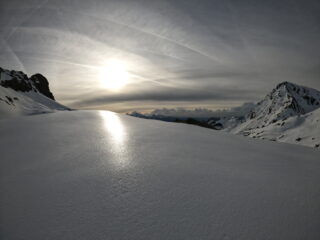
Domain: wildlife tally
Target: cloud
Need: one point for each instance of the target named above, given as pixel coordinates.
(167, 94)
(177, 52)
(203, 112)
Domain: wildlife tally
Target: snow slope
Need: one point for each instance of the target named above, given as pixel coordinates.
(20, 95)
(101, 175)
(286, 100)
(299, 129)
(289, 113)
(14, 103)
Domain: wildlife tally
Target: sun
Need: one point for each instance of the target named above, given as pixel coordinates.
(114, 75)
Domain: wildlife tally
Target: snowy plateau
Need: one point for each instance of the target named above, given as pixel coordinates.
(101, 175)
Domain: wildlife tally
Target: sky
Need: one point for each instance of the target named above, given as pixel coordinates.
(212, 54)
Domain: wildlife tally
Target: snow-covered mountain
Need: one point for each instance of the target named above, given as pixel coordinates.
(21, 95)
(285, 101)
(290, 113)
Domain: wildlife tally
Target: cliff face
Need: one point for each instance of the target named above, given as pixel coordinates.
(42, 85)
(19, 81)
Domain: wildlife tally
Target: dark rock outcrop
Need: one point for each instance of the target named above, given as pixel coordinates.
(42, 85)
(17, 85)
(19, 81)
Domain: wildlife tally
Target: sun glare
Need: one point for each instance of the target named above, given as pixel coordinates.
(114, 75)
(114, 126)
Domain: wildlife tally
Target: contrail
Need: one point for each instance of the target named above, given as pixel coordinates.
(65, 62)
(155, 35)
(243, 39)
(13, 54)
(133, 52)
(14, 29)
(156, 81)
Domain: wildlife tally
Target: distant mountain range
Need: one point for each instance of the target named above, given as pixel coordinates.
(21, 95)
(289, 113)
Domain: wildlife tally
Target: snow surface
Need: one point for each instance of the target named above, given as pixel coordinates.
(25, 103)
(101, 175)
(301, 129)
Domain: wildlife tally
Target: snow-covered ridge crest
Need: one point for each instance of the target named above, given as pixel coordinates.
(289, 113)
(285, 101)
(289, 99)
(21, 95)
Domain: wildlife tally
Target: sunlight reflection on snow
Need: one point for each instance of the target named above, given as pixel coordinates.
(114, 126)
(117, 134)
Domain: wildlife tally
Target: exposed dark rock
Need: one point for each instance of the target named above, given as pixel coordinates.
(42, 85)
(252, 115)
(274, 120)
(198, 123)
(20, 82)
(217, 126)
(296, 107)
(282, 84)
(9, 99)
(17, 84)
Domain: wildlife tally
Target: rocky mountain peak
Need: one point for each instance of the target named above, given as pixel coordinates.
(286, 100)
(19, 81)
(42, 85)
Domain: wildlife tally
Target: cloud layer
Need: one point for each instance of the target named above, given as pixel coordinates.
(240, 111)
(215, 53)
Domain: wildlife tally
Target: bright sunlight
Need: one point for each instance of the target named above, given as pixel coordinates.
(114, 75)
